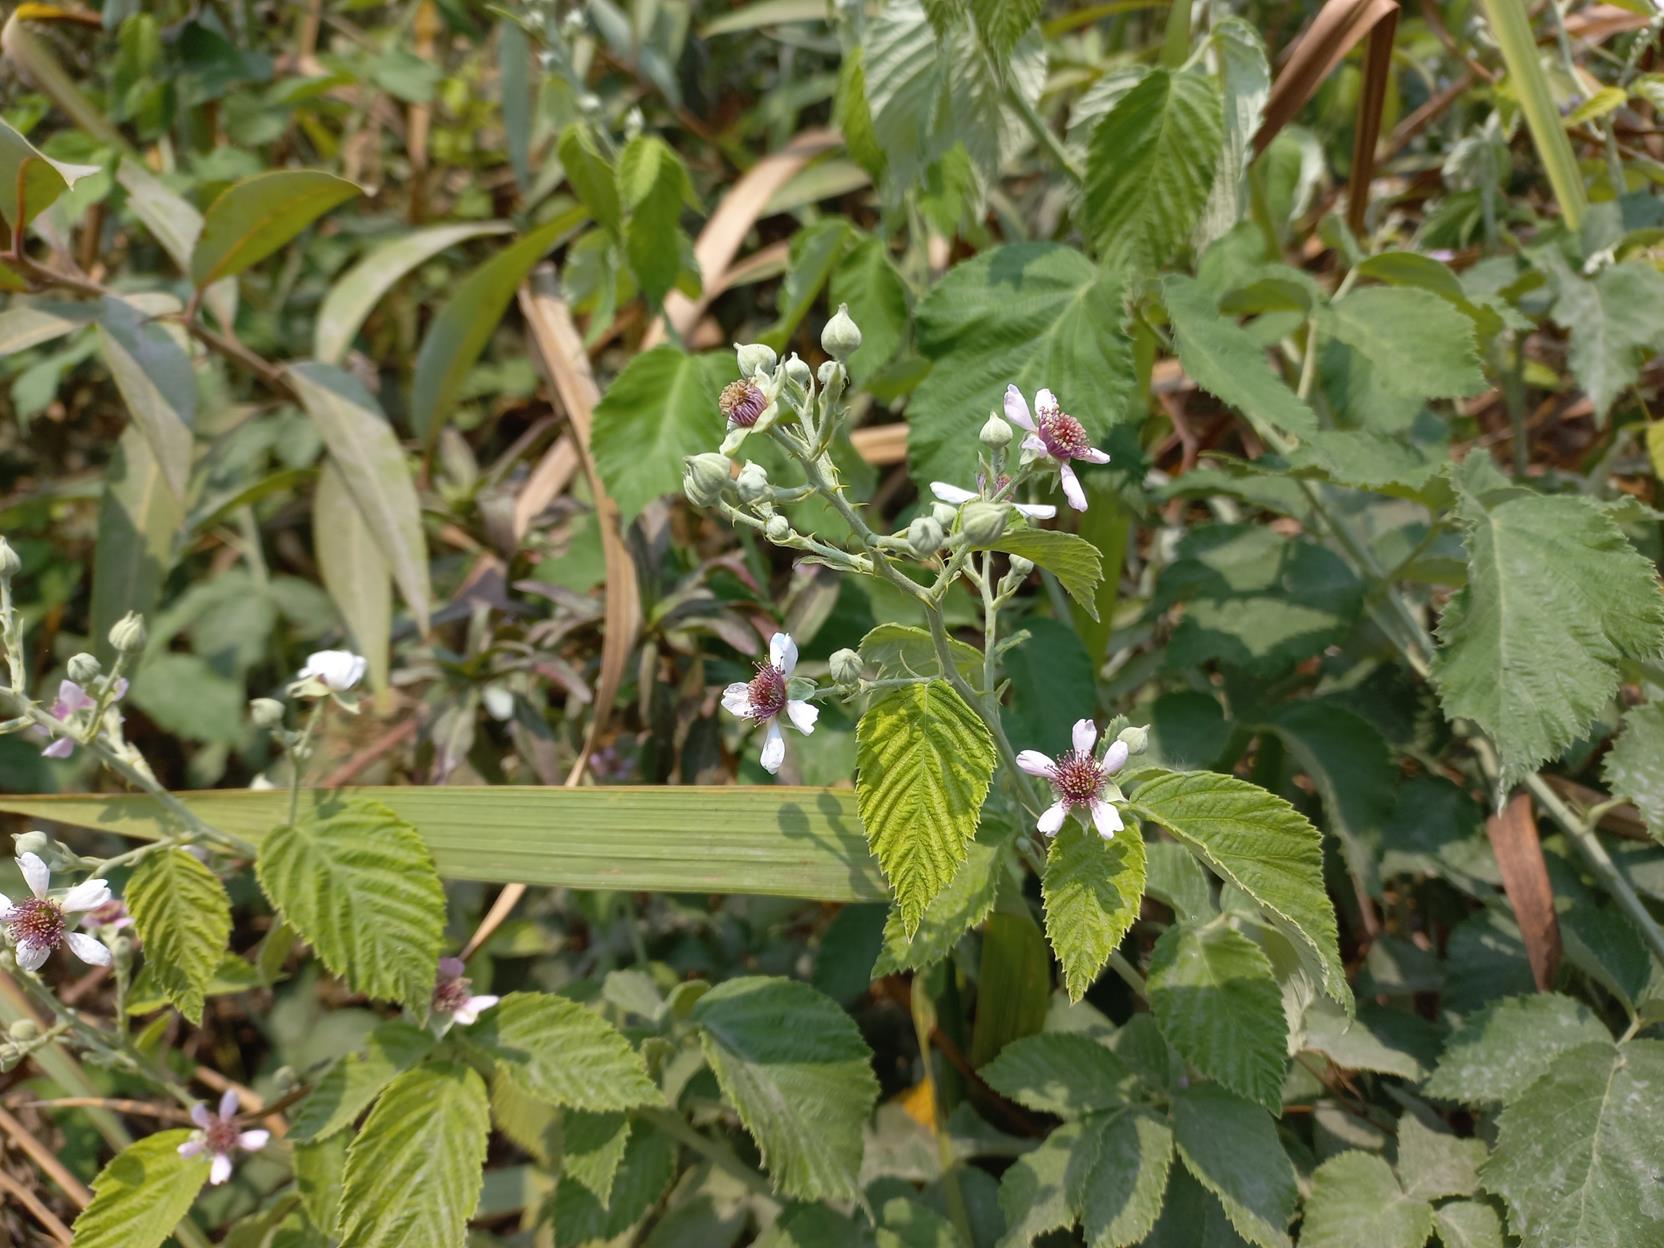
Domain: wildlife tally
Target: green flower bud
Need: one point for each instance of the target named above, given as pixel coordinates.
(23, 1030)
(266, 713)
(983, 522)
(925, 536)
(753, 484)
(128, 634)
(10, 564)
(797, 371)
(1021, 568)
(995, 433)
(33, 841)
(944, 514)
(704, 478)
(846, 667)
(778, 529)
(832, 377)
(1137, 739)
(84, 669)
(285, 1080)
(754, 358)
(841, 336)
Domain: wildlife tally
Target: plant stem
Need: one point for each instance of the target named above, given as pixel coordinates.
(1175, 43)
(1043, 133)
(718, 1154)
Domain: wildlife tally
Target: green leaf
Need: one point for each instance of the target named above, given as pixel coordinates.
(1632, 767)
(318, 1168)
(346, 1089)
(1028, 314)
(1530, 647)
(1381, 1039)
(1212, 991)
(814, 254)
(1468, 1224)
(1613, 321)
(176, 225)
(1034, 1193)
(963, 904)
(1420, 346)
(230, 975)
(157, 384)
(358, 883)
(661, 409)
(139, 518)
(366, 452)
(1434, 1164)
(1092, 889)
(904, 650)
(1059, 1073)
(1356, 1200)
(413, 1173)
(592, 1147)
(32, 180)
(654, 184)
(1260, 843)
(1192, 1218)
(1150, 167)
(867, 280)
(924, 763)
(1232, 1149)
(468, 320)
(1117, 1178)
(1229, 363)
(1076, 562)
(581, 1218)
(1497, 1054)
(253, 218)
(354, 570)
(590, 176)
(142, 1194)
(907, 1223)
(184, 919)
(1003, 22)
(354, 294)
(1245, 85)
(1016, 971)
(1576, 1157)
(564, 1053)
(795, 1068)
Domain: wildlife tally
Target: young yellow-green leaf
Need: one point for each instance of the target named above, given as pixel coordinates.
(564, 1053)
(1421, 347)
(1016, 971)
(253, 218)
(1058, 1072)
(1076, 562)
(157, 384)
(962, 905)
(796, 1070)
(1213, 992)
(582, 1218)
(414, 1171)
(1150, 167)
(924, 762)
(1633, 769)
(184, 921)
(40, 178)
(140, 1196)
(592, 1147)
(1497, 1054)
(347, 1088)
(1116, 1188)
(1092, 889)
(1577, 1155)
(1002, 22)
(359, 883)
(1356, 1200)
(1257, 841)
(1231, 1147)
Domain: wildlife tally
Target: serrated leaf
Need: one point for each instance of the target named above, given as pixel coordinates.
(318, 1168)
(1468, 1224)
(157, 384)
(580, 1218)
(1613, 320)
(184, 919)
(1420, 346)
(564, 1053)
(654, 184)
(1060, 1073)
(414, 1172)
(1116, 1189)
(1076, 562)
(1192, 1218)
(590, 176)
(924, 763)
(795, 1068)
(1231, 1147)
(1002, 22)
(592, 1148)
(814, 253)
(1257, 841)
(1434, 1164)
(1556, 597)
(1092, 889)
(139, 517)
(346, 1089)
(1497, 1054)
(661, 409)
(1356, 1200)
(1577, 1155)
(359, 884)
(251, 219)
(904, 650)
(1633, 769)
(1027, 314)
(1034, 1192)
(908, 1223)
(962, 905)
(141, 1195)
(1381, 1039)
(867, 280)
(1245, 85)
(1150, 166)
(1212, 991)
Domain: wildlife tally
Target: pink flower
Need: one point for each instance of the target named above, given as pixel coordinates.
(71, 701)
(452, 998)
(218, 1134)
(36, 924)
(956, 495)
(1056, 435)
(767, 696)
(112, 914)
(1080, 782)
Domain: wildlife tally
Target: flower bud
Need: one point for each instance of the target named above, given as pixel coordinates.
(846, 667)
(753, 483)
(995, 433)
(266, 713)
(704, 478)
(84, 669)
(23, 1030)
(778, 529)
(33, 842)
(983, 522)
(841, 337)
(832, 377)
(944, 514)
(1021, 568)
(128, 634)
(925, 536)
(1136, 739)
(10, 564)
(754, 358)
(285, 1080)
(797, 371)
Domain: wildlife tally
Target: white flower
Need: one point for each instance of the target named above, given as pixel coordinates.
(36, 924)
(1055, 435)
(767, 695)
(337, 670)
(1080, 782)
(451, 996)
(956, 495)
(218, 1134)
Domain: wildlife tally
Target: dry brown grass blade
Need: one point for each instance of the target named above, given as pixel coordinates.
(28, 1200)
(1367, 128)
(1337, 29)
(554, 472)
(719, 242)
(1519, 856)
(46, 1159)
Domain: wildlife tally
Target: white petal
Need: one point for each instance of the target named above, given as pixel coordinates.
(253, 1141)
(1093, 455)
(737, 698)
(1085, 736)
(1036, 763)
(220, 1171)
(1016, 409)
(782, 652)
(228, 1103)
(360, 665)
(1045, 400)
(35, 873)
(774, 748)
(89, 949)
(201, 1116)
(472, 1008)
(5, 907)
(1106, 818)
(190, 1148)
(1115, 757)
(803, 715)
(1033, 443)
(1051, 819)
(951, 493)
(63, 747)
(31, 957)
(340, 670)
(1071, 487)
(87, 895)
(1036, 511)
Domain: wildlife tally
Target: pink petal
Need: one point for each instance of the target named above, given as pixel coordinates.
(1036, 763)
(1071, 487)
(201, 1116)
(1016, 409)
(228, 1104)
(190, 1148)
(1085, 736)
(1051, 819)
(1106, 818)
(63, 747)
(220, 1171)
(1093, 455)
(1115, 757)
(451, 968)
(253, 1141)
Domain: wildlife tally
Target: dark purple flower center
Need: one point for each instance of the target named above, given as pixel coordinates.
(742, 403)
(1064, 436)
(112, 911)
(1077, 778)
(768, 692)
(450, 995)
(36, 922)
(220, 1135)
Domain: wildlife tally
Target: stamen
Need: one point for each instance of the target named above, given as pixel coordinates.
(37, 922)
(1064, 436)
(1077, 779)
(220, 1135)
(450, 995)
(742, 402)
(767, 691)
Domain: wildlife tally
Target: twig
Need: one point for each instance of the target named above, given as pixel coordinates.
(46, 1159)
(115, 1104)
(32, 1203)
